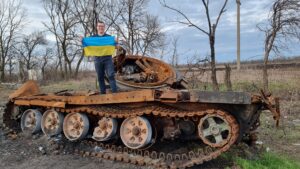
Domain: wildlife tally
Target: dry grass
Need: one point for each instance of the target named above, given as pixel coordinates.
(281, 80)
(88, 83)
(251, 75)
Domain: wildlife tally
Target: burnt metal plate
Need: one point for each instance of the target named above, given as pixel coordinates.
(221, 97)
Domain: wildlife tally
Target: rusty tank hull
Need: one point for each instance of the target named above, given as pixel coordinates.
(135, 72)
(164, 128)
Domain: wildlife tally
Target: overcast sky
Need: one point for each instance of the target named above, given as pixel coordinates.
(192, 41)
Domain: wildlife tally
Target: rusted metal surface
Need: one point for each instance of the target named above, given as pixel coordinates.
(123, 97)
(215, 129)
(39, 103)
(28, 88)
(105, 129)
(76, 126)
(272, 104)
(52, 122)
(174, 96)
(145, 95)
(221, 97)
(140, 72)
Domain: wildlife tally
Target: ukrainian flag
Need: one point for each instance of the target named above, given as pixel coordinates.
(98, 46)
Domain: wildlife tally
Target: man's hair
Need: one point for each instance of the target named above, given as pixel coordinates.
(100, 22)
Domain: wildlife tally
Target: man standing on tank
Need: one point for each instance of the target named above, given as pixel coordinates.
(104, 64)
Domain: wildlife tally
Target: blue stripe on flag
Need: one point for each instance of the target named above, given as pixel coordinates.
(99, 41)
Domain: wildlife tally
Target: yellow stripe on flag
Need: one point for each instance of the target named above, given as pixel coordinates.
(98, 50)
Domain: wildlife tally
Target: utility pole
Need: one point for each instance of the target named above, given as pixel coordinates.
(238, 31)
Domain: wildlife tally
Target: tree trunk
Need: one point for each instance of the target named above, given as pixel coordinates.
(265, 73)
(43, 73)
(227, 79)
(213, 64)
(10, 68)
(66, 70)
(70, 69)
(78, 65)
(60, 65)
(2, 71)
(21, 72)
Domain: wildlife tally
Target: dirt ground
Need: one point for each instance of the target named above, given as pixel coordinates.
(30, 152)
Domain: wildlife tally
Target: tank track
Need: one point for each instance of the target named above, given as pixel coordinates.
(157, 159)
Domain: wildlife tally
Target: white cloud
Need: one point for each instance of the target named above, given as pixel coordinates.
(35, 16)
(173, 27)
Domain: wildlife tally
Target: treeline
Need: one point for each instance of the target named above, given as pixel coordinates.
(275, 62)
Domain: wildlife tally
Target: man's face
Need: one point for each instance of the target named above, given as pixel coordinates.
(100, 28)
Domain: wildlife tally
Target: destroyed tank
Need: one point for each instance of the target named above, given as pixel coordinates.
(153, 120)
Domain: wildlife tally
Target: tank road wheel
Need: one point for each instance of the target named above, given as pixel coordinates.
(215, 130)
(52, 122)
(76, 126)
(106, 129)
(136, 132)
(31, 121)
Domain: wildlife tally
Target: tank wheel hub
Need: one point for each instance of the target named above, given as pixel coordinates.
(76, 126)
(136, 132)
(214, 129)
(106, 129)
(52, 122)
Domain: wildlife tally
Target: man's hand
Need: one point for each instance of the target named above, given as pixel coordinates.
(80, 39)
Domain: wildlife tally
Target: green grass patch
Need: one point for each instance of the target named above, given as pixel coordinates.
(268, 161)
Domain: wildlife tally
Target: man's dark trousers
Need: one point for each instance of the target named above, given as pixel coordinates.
(105, 64)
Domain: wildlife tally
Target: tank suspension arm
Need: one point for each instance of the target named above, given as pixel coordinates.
(272, 104)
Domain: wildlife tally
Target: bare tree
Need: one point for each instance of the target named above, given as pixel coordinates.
(140, 30)
(151, 38)
(163, 50)
(64, 26)
(11, 62)
(283, 25)
(211, 32)
(12, 19)
(174, 57)
(28, 47)
(195, 71)
(87, 12)
(46, 57)
(227, 79)
(133, 12)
